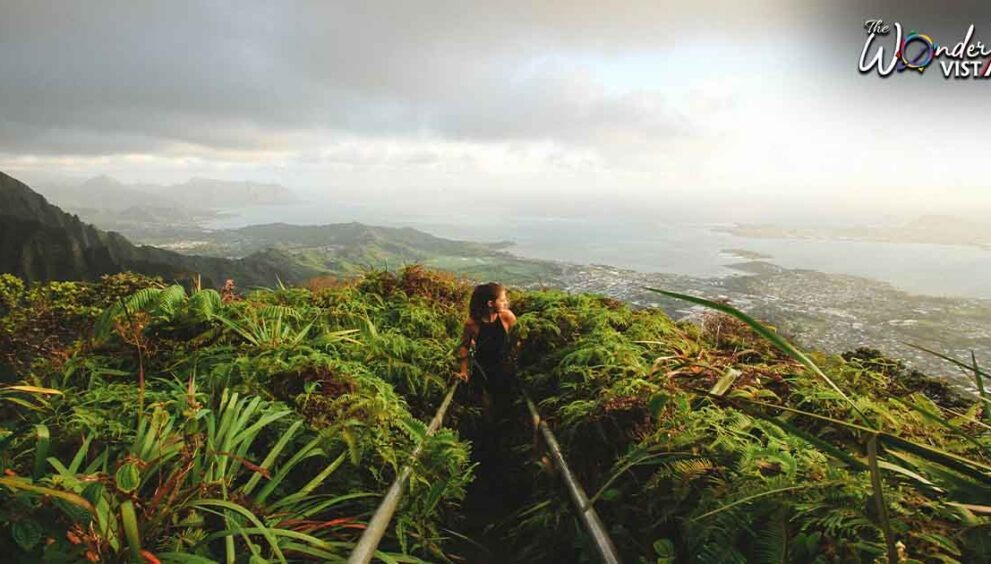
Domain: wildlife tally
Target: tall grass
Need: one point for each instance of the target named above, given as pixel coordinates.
(965, 480)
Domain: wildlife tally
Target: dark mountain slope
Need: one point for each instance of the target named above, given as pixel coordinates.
(38, 241)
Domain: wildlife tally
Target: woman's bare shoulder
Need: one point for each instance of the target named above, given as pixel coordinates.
(508, 316)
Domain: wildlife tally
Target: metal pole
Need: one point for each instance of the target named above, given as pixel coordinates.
(586, 512)
(372, 535)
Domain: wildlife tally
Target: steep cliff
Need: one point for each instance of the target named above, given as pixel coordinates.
(38, 241)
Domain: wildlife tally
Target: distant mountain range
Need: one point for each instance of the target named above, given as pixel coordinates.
(144, 209)
(221, 194)
(354, 241)
(39, 241)
(196, 194)
(345, 249)
(930, 229)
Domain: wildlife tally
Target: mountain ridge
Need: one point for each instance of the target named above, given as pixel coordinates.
(197, 195)
(39, 241)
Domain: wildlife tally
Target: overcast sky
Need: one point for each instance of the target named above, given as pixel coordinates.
(537, 107)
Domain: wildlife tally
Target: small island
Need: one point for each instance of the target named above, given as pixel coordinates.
(929, 229)
(745, 254)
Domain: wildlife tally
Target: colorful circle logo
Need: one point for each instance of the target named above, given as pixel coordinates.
(917, 52)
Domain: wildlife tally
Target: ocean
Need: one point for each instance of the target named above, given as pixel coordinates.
(678, 246)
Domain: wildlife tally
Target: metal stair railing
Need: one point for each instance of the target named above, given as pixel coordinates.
(364, 551)
(586, 511)
(367, 545)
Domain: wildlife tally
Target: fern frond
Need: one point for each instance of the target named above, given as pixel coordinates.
(169, 299)
(205, 303)
(144, 299)
(772, 539)
(283, 311)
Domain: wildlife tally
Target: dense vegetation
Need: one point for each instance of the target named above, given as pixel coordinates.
(208, 424)
(152, 422)
(709, 443)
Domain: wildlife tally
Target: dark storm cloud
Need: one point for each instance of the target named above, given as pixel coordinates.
(101, 77)
(176, 72)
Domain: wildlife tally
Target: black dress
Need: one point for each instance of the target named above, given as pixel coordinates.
(499, 487)
(494, 370)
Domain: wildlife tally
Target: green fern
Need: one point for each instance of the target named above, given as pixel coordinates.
(771, 545)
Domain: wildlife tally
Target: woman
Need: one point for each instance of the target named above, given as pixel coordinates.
(488, 325)
(499, 486)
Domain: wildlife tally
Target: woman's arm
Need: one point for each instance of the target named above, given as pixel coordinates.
(508, 319)
(467, 335)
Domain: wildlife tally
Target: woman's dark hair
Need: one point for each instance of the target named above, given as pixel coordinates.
(480, 296)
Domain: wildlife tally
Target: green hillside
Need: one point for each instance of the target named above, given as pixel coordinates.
(347, 249)
(38, 242)
(144, 423)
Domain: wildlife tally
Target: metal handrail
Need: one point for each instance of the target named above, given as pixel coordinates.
(586, 511)
(364, 551)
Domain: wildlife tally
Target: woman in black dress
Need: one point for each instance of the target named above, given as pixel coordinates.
(499, 486)
(487, 327)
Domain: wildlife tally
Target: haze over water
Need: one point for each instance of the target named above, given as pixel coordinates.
(678, 246)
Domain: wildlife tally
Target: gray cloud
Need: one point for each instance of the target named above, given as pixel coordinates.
(458, 92)
(103, 77)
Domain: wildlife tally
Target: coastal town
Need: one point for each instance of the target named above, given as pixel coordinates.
(830, 312)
